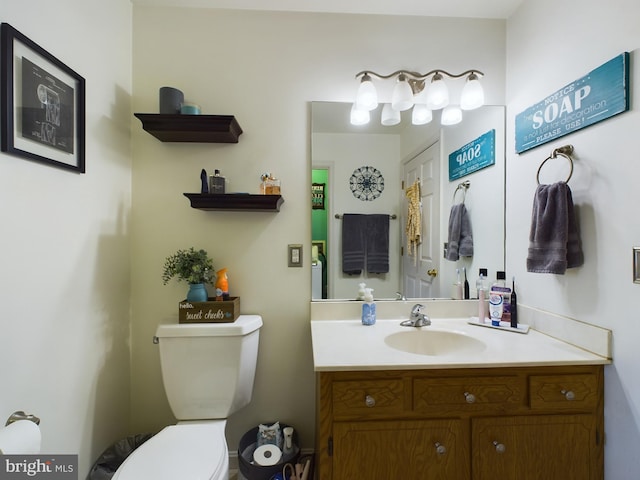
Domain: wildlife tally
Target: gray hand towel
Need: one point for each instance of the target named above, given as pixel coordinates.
(353, 243)
(377, 243)
(554, 242)
(460, 236)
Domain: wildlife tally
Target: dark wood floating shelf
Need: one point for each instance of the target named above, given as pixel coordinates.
(191, 128)
(235, 202)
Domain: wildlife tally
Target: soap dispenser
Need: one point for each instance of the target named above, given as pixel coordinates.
(368, 308)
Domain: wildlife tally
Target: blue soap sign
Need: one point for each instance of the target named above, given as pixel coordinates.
(475, 155)
(601, 94)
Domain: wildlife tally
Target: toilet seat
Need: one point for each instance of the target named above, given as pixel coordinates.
(188, 450)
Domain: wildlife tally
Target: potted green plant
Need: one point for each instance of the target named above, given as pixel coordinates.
(193, 267)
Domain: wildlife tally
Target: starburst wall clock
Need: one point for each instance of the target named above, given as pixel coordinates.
(366, 183)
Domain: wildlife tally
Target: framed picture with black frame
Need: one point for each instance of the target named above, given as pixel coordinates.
(43, 104)
(317, 196)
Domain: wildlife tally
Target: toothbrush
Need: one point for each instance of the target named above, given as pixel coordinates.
(514, 304)
(466, 284)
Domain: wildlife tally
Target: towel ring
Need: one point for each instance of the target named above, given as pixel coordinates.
(464, 186)
(565, 152)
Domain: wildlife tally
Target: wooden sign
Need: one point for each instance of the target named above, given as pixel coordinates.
(599, 95)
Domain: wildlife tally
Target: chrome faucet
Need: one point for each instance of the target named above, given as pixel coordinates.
(400, 297)
(417, 318)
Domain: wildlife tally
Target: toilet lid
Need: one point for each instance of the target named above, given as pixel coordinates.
(189, 450)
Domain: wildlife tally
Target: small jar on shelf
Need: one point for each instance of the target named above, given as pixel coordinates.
(270, 185)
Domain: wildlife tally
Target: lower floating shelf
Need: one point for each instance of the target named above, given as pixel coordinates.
(235, 202)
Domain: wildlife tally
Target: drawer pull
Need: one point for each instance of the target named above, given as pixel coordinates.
(569, 395)
(369, 401)
(470, 397)
(440, 449)
(500, 448)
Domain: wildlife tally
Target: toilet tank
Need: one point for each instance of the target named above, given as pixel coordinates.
(208, 368)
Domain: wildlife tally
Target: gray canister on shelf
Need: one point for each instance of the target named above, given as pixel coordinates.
(171, 100)
(217, 183)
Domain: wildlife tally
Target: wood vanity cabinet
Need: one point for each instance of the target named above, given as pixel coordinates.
(524, 423)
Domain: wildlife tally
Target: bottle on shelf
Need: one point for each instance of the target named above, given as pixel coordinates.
(500, 287)
(481, 291)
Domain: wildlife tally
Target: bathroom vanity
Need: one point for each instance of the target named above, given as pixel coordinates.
(455, 401)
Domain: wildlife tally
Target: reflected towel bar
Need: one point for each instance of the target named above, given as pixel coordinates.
(392, 216)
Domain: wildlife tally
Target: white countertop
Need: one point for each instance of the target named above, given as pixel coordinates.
(349, 345)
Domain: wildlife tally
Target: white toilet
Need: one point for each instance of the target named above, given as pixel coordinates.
(208, 371)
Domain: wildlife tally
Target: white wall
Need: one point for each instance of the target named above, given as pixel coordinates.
(264, 68)
(64, 281)
(550, 44)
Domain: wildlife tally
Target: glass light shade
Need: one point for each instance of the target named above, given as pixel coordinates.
(390, 116)
(402, 97)
(438, 93)
(421, 115)
(358, 116)
(367, 96)
(451, 115)
(472, 93)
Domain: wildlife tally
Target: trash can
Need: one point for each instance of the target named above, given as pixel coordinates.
(107, 463)
(252, 471)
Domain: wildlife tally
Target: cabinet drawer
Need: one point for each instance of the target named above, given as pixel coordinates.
(564, 391)
(503, 393)
(370, 397)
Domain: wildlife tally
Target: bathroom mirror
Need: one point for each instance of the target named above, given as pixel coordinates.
(339, 153)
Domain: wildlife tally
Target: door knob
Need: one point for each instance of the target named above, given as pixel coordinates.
(433, 272)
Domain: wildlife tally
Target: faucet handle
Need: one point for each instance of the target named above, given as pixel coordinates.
(417, 308)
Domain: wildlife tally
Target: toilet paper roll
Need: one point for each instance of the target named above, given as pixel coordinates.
(21, 437)
(267, 455)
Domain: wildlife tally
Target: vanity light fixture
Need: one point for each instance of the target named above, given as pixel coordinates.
(411, 90)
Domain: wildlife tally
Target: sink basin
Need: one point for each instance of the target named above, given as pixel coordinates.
(431, 342)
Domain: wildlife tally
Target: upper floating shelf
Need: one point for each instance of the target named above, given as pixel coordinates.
(191, 128)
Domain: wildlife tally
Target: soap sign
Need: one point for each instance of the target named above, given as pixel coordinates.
(475, 155)
(599, 95)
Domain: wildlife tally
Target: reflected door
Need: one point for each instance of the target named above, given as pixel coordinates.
(425, 258)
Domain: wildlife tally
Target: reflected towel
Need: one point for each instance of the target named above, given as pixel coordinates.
(554, 241)
(353, 243)
(413, 229)
(377, 243)
(460, 234)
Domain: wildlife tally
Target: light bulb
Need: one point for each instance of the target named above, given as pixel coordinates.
(438, 93)
(367, 97)
(451, 115)
(390, 116)
(421, 115)
(402, 98)
(358, 116)
(472, 93)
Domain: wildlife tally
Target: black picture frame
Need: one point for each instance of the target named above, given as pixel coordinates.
(317, 196)
(42, 104)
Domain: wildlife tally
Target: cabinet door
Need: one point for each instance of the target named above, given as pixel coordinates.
(550, 447)
(385, 450)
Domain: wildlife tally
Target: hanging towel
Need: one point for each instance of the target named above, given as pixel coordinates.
(413, 229)
(554, 241)
(353, 243)
(460, 234)
(377, 243)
